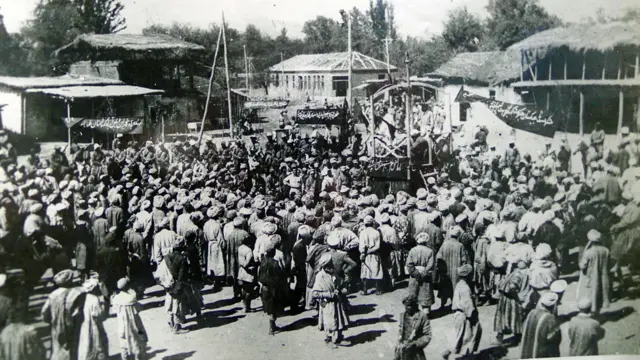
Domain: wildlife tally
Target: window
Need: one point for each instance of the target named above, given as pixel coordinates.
(299, 82)
(382, 76)
(322, 82)
(286, 79)
(492, 94)
(278, 80)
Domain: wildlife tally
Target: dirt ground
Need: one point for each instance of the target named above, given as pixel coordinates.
(229, 333)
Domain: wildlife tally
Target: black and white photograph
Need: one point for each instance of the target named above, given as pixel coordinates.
(354, 179)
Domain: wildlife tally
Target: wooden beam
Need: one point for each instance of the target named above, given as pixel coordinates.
(521, 65)
(636, 72)
(619, 67)
(581, 117)
(565, 66)
(548, 98)
(604, 68)
(68, 127)
(620, 110)
(584, 64)
(550, 67)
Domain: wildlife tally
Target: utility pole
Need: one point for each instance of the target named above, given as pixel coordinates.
(408, 101)
(387, 42)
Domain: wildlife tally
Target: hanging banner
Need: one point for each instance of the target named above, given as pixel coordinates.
(70, 122)
(114, 125)
(266, 104)
(521, 117)
(320, 116)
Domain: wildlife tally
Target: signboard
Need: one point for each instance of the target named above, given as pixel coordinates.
(266, 104)
(320, 116)
(521, 117)
(114, 125)
(389, 168)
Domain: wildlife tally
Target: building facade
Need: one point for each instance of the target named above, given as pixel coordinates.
(319, 76)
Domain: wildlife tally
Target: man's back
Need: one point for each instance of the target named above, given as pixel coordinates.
(584, 333)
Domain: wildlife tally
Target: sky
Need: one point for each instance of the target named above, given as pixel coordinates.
(413, 17)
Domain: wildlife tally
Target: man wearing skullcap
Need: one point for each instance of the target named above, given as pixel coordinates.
(369, 246)
(541, 334)
(420, 265)
(584, 331)
(450, 256)
(327, 291)
(63, 312)
(415, 331)
(268, 237)
(467, 331)
(114, 213)
(594, 283)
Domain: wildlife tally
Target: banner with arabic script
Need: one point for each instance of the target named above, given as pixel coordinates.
(521, 117)
(266, 104)
(114, 125)
(320, 116)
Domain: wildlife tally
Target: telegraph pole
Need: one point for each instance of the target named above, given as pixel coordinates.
(350, 55)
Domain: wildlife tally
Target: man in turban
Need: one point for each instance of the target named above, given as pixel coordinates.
(212, 232)
(232, 243)
(594, 281)
(467, 330)
(420, 266)
(371, 270)
(584, 331)
(541, 333)
(415, 331)
(451, 255)
(63, 311)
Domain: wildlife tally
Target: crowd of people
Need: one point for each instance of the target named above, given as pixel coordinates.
(293, 222)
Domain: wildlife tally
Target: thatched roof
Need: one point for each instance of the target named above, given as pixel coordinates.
(601, 37)
(491, 67)
(128, 47)
(330, 62)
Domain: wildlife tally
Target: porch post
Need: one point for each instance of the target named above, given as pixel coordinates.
(68, 126)
(581, 118)
(620, 110)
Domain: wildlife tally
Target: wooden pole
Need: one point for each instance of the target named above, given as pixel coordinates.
(350, 56)
(637, 71)
(584, 64)
(604, 68)
(372, 127)
(619, 67)
(521, 65)
(548, 98)
(550, 67)
(246, 69)
(69, 126)
(620, 110)
(581, 118)
(206, 104)
(226, 72)
(282, 74)
(565, 67)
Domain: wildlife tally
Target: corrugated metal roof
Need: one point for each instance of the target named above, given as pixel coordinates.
(54, 81)
(330, 62)
(73, 92)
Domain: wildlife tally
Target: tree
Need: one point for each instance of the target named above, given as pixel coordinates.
(511, 21)
(56, 23)
(11, 55)
(101, 16)
(628, 14)
(463, 31)
(318, 35)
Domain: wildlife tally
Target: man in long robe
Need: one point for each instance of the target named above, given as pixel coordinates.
(594, 273)
(163, 241)
(415, 331)
(451, 255)
(369, 246)
(541, 335)
(332, 318)
(420, 266)
(63, 311)
(235, 238)
(467, 330)
(19, 340)
(584, 331)
(212, 231)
